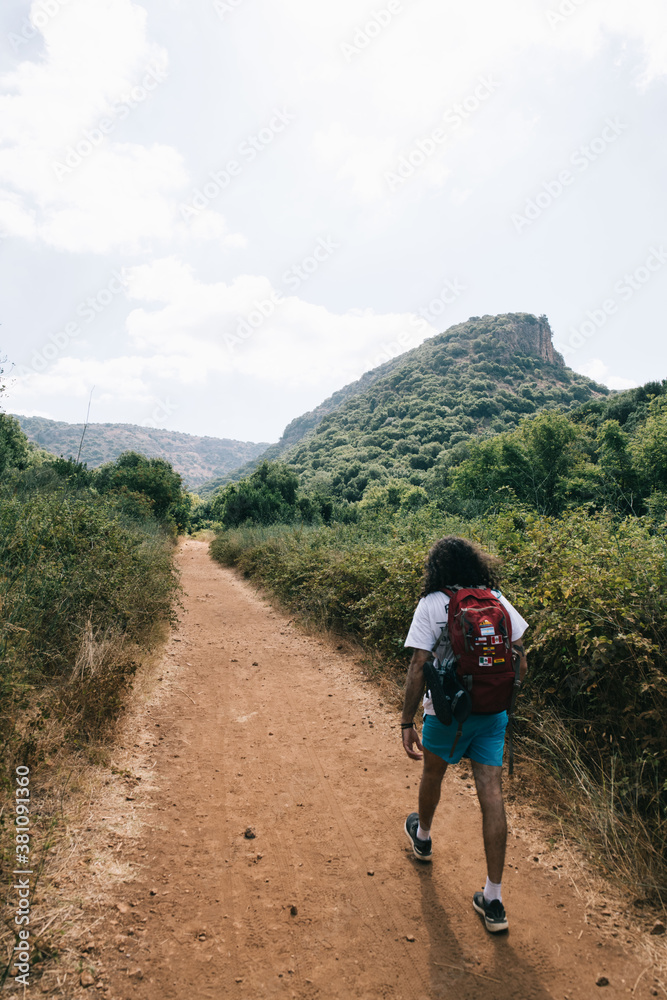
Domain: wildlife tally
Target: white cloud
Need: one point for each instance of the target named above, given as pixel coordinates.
(15, 218)
(186, 331)
(120, 377)
(119, 198)
(592, 24)
(430, 57)
(360, 159)
(72, 183)
(210, 225)
(599, 371)
(252, 328)
(455, 42)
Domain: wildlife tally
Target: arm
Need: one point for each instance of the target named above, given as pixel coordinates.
(414, 689)
(519, 651)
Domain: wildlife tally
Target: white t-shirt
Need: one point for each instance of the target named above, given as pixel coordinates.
(430, 616)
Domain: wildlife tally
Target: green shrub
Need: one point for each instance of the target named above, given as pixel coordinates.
(153, 478)
(268, 496)
(82, 587)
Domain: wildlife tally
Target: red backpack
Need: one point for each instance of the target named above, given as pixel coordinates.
(480, 633)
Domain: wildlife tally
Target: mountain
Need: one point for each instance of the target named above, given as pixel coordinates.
(196, 458)
(301, 426)
(414, 413)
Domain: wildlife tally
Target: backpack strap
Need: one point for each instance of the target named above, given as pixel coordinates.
(456, 738)
(441, 706)
(510, 720)
(433, 683)
(441, 643)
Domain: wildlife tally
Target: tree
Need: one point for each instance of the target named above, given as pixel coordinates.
(268, 496)
(650, 446)
(154, 478)
(536, 461)
(14, 446)
(619, 479)
(393, 497)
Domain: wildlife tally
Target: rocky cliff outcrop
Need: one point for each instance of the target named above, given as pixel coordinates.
(524, 333)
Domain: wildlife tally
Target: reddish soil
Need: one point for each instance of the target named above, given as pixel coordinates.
(271, 859)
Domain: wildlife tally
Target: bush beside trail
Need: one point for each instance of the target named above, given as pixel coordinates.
(87, 583)
(594, 590)
(78, 580)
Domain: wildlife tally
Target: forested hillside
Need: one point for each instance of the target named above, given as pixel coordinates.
(301, 426)
(197, 459)
(404, 417)
(477, 379)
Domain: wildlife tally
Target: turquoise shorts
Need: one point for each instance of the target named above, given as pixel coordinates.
(482, 738)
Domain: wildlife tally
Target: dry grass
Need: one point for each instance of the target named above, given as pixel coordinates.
(203, 535)
(80, 822)
(585, 795)
(556, 841)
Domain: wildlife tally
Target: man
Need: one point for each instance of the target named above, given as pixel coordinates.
(453, 563)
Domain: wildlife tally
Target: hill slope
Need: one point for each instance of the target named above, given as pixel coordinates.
(196, 458)
(298, 428)
(401, 420)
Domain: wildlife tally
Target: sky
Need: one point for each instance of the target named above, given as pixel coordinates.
(215, 213)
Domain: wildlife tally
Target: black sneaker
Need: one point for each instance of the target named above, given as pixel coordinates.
(495, 918)
(422, 849)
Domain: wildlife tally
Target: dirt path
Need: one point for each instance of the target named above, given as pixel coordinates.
(266, 729)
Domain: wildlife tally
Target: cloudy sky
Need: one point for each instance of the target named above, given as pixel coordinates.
(217, 212)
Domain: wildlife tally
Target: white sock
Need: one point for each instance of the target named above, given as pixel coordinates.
(492, 890)
(422, 834)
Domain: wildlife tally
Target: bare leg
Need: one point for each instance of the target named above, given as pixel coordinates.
(429, 787)
(494, 824)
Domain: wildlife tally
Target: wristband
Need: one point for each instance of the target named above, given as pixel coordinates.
(408, 725)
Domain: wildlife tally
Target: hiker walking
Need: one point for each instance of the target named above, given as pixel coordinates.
(468, 661)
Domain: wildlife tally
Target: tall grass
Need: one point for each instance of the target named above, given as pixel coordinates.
(594, 590)
(589, 795)
(82, 589)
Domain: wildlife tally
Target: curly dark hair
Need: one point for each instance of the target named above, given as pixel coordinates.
(456, 561)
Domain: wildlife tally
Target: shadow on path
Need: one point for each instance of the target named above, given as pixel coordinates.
(454, 969)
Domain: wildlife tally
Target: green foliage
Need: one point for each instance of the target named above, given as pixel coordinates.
(271, 495)
(456, 387)
(74, 473)
(268, 496)
(16, 452)
(196, 458)
(68, 559)
(650, 447)
(395, 496)
(86, 577)
(200, 513)
(619, 480)
(556, 461)
(536, 462)
(82, 586)
(139, 479)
